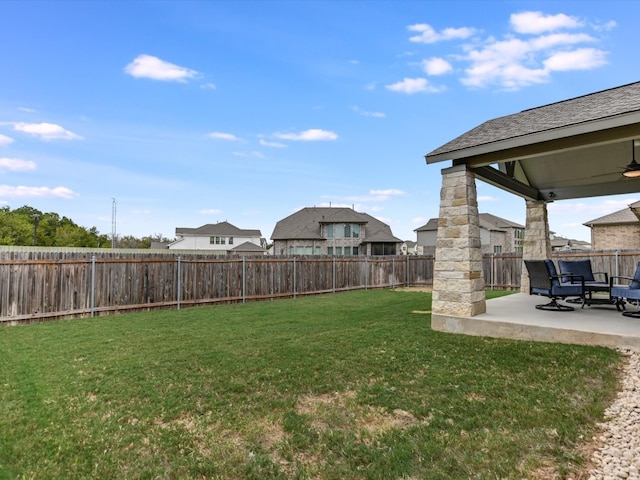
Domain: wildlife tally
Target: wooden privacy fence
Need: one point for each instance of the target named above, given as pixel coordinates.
(39, 287)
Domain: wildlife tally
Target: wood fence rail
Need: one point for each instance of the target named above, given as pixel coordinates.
(39, 284)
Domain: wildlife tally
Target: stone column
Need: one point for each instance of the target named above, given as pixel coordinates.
(458, 284)
(537, 242)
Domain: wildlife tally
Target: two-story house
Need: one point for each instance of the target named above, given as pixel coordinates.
(333, 231)
(222, 237)
(497, 235)
(618, 230)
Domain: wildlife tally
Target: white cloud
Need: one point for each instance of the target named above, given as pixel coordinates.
(581, 59)
(266, 143)
(536, 46)
(427, 34)
(46, 131)
(365, 113)
(4, 140)
(413, 85)
(148, 66)
(436, 66)
(314, 134)
(210, 211)
(16, 165)
(538, 22)
(388, 192)
(251, 154)
(33, 192)
(208, 86)
(28, 110)
(223, 136)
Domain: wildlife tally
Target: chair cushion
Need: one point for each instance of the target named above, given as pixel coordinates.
(625, 292)
(553, 272)
(636, 278)
(577, 267)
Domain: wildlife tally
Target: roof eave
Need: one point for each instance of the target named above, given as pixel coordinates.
(621, 120)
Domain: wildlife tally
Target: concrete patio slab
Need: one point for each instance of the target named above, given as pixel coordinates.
(515, 317)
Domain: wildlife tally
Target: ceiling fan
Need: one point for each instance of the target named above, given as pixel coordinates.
(633, 169)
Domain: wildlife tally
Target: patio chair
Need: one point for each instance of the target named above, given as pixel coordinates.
(592, 285)
(544, 281)
(626, 293)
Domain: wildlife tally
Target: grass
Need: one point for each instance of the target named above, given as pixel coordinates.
(343, 386)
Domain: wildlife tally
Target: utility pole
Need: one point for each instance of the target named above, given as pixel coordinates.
(36, 219)
(113, 223)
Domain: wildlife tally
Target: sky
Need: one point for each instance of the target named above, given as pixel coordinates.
(149, 116)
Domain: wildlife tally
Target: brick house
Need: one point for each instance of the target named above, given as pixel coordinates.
(617, 231)
(333, 231)
(497, 235)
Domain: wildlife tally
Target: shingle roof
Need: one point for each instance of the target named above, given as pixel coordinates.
(486, 220)
(621, 216)
(305, 224)
(248, 247)
(587, 108)
(220, 228)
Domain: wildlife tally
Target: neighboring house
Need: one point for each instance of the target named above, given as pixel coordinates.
(333, 231)
(497, 235)
(559, 244)
(617, 231)
(408, 248)
(221, 237)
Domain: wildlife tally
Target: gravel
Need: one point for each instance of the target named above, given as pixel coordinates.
(618, 453)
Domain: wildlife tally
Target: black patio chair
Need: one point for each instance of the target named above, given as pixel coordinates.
(592, 284)
(626, 293)
(545, 281)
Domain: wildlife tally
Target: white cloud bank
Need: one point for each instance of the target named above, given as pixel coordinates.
(223, 136)
(148, 66)
(16, 165)
(4, 140)
(11, 191)
(311, 135)
(46, 131)
(535, 46)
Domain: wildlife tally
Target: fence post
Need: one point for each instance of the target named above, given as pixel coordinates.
(93, 285)
(179, 292)
(493, 270)
(366, 273)
(406, 276)
(617, 263)
(333, 287)
(294, 277)
(244, 280)
(393, 273)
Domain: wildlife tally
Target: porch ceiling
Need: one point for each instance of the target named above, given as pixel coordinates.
(572, 149)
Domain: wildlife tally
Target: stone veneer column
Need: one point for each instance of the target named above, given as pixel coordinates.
(458, 284)
(537, 243)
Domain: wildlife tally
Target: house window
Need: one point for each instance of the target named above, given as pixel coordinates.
(318, 251)
(355, 232)
(291, 251)
(217, 240)
(338, 250)
(342, 230)
(354, 251)
(329, 231)
(212, 240)
(497, 249)
(347, 250)
(230, 240)
(329, 250)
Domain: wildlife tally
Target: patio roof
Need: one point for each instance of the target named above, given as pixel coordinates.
(576, 148)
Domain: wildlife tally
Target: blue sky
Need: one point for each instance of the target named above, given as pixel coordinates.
(189, 113)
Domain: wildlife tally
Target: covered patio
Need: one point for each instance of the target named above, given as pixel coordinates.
(571, 149)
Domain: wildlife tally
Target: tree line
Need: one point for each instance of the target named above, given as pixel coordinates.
(29, 226)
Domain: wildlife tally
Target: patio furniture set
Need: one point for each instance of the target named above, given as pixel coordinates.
(577, 283)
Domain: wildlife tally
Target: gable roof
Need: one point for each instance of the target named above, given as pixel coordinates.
(220, 228)
(248, 247)
(486, 220)
(574, 148)
(573, 112)
(626, 215)
(305, 224)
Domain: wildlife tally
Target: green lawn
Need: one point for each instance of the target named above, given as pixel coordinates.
(344, 386)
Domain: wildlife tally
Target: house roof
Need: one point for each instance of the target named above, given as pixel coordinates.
(616, 218)
(486, 220)
(220, 228)
(247, 247)
(305, 224)
(569, 149)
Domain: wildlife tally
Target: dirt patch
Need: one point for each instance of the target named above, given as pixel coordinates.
(418, 288)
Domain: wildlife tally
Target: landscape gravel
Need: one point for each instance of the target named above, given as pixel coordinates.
(618, 453)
